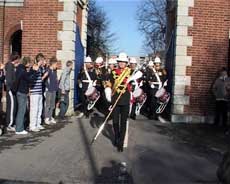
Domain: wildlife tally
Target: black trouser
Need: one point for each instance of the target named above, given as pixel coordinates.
(152, 103)
(0, 99)
(133, 110)
(120, 115)
(11, 103)
(221, 112)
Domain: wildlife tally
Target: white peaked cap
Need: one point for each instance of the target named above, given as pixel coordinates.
(112, 61)
(150, 63)
(133, 60)
(157, 60)
(88, 60)
(99, 60)
(123, 57)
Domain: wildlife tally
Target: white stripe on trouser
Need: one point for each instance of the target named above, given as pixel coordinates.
(11, 108)
(35, 111)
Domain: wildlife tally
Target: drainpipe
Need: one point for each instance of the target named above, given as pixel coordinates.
(3, 29)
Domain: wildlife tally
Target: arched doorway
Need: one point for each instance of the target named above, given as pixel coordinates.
(16, 42)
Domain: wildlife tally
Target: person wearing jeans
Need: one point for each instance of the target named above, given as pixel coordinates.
(64, 104)
(23, 79)
(51, 90)
(64, 87)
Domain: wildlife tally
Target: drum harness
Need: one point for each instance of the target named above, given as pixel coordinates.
(90, 81)
(158, 80)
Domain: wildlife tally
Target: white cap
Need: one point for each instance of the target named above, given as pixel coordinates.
(157, 60)
(88, 60)
(150, 63)
(99, 60)
(133, 60)
(122, 57)
(112, 61)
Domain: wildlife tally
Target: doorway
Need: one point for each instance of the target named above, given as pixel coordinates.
(16, 42)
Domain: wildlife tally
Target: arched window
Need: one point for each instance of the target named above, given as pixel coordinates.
(16, 42)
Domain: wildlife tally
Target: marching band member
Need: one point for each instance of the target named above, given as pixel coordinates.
(134, 85)
(118, 80)
(156, 77)
(86, 80)
(112, 65)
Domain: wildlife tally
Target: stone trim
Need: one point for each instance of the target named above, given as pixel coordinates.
(67, 38)
(182, 60)
(84, 26)
(176, 118)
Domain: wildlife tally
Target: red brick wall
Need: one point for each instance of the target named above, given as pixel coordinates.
(40, 26)
(209, 52)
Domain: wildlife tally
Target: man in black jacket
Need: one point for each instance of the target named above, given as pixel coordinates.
(11, 89)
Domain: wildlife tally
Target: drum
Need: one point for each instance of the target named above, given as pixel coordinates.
(92, 93)
(138, 92)
(162, 95)
(139, 95)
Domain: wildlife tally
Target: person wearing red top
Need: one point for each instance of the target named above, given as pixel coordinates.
(121, 111)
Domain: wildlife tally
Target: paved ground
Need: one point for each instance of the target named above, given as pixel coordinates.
(157, 154)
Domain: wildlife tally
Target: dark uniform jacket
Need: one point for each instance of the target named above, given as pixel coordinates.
(84, 80)
(151, 77)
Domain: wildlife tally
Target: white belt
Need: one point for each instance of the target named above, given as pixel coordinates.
(86, 81)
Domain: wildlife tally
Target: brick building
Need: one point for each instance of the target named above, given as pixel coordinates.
(47, 26)
(198, 39)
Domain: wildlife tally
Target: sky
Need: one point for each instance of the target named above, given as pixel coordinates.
(122, 16)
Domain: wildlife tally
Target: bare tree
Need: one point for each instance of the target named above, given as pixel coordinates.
(151, 17)
(100, 38)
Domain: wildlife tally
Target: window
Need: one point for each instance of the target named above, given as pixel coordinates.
(11, 2)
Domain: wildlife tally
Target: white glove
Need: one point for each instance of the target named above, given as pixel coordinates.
(152, 86)
(80, 85)
(108, 94)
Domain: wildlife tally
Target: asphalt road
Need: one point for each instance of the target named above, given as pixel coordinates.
(62, 154)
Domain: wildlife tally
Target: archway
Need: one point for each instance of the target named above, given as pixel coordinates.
(16, 42)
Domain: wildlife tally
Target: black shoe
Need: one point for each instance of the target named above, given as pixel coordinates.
(133, 117)
(115, 142)
(120, 148)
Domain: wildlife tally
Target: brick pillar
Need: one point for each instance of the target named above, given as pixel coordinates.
(182, 60)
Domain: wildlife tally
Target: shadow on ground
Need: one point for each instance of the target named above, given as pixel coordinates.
(18, 182)
(114, 174)
(29, 141)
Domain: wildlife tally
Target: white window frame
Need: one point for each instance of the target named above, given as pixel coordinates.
(12, 2)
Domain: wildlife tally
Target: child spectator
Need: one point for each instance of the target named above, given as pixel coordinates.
(2, 79)
(64, 87)
(36, 95)
(23, 77)
(51, 90)
(11, 90)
